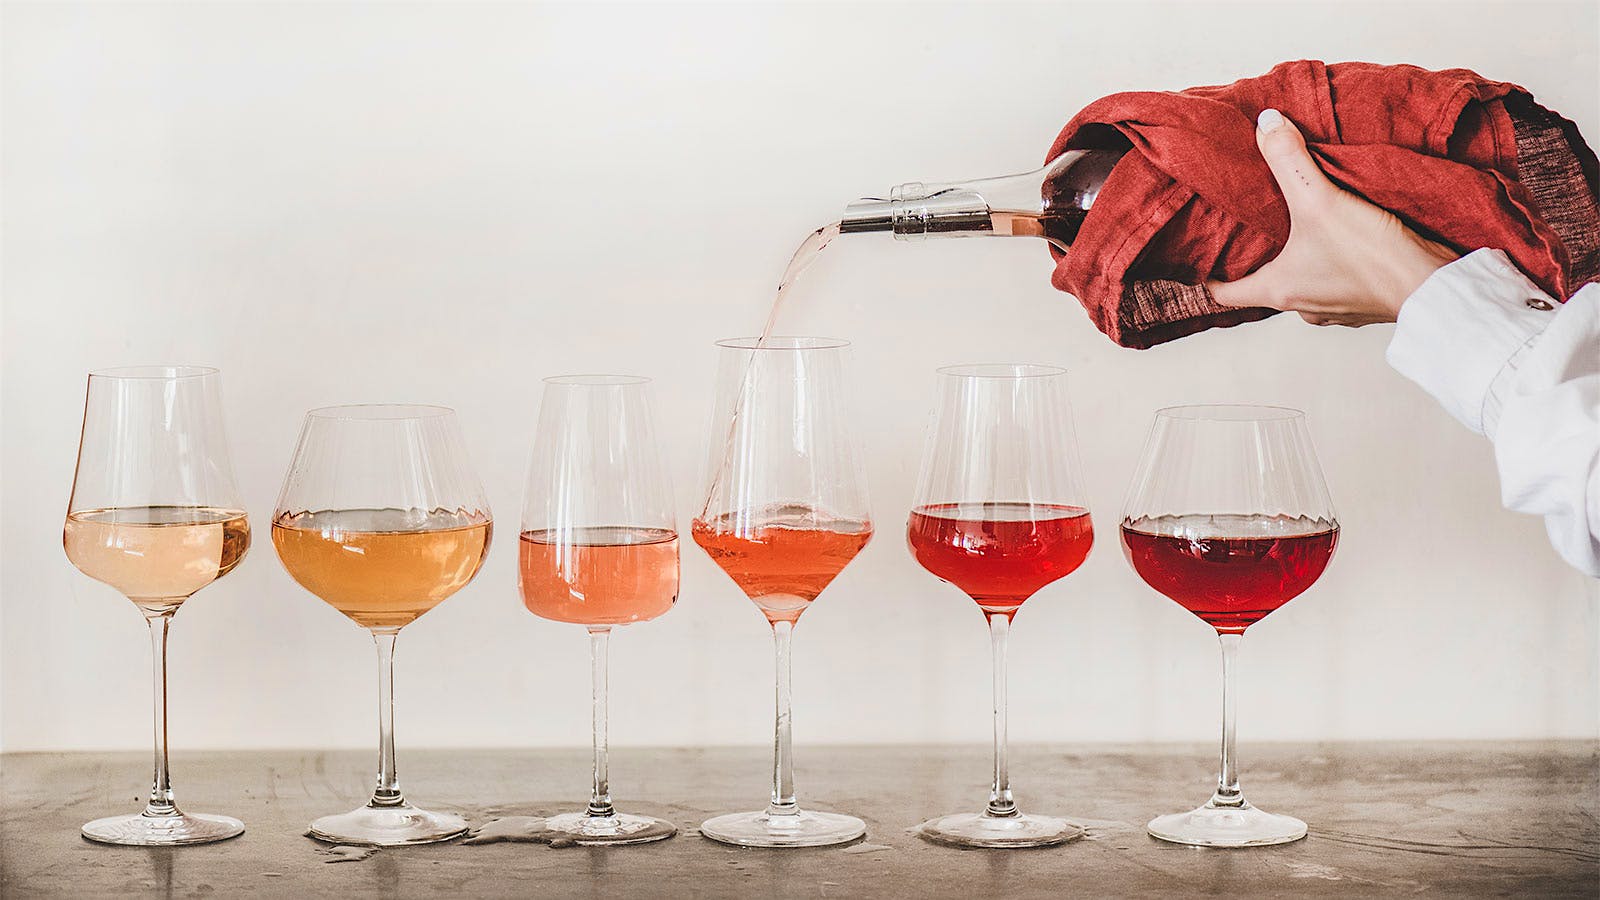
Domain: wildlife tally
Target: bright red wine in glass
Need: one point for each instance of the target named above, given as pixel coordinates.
(999, 514)
(1231, 571)
(1000, 554)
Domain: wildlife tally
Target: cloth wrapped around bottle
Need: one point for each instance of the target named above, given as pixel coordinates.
(1465, 161)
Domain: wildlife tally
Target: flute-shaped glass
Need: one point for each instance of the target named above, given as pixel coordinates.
(155, 514)
(1229, 517)
(1001, 512)
(785, 512)
(599, 548)
(382, 517)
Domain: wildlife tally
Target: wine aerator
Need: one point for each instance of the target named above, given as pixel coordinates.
(1050, 202)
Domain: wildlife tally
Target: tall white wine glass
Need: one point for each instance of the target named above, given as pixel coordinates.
(786, 510)
(155, 514)
(382, 517)
(1229, 517)
(599, 548)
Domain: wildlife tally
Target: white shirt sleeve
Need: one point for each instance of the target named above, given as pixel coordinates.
(1499, 355)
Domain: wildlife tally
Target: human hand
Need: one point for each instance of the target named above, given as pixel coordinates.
(1347, 262)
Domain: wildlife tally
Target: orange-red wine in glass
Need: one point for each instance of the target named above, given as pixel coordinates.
(783, 563)
(1000, 554)
(1231, 571)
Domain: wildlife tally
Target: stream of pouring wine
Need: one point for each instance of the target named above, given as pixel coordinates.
(803, 257)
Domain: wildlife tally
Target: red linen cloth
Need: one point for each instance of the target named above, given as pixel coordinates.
(1465, 161)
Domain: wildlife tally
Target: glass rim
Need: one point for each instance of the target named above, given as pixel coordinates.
(788, 342)
(1011, 371)
(154, 373)
(597, 380)
(380, 412)
(1230, 412)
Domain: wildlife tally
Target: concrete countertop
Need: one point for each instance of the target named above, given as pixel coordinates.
(1386, 819)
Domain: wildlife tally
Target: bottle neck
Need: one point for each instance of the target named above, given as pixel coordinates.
(1049, 203)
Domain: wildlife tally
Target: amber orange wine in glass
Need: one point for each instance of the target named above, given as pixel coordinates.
(376, 566)
(382, 517)
(155, 514)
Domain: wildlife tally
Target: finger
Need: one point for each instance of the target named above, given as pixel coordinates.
(1284, 149)
(1315, 319)
(1259, 288)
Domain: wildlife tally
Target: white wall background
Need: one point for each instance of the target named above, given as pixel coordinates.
(445, 203)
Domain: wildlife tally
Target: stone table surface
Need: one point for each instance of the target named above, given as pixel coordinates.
(1467, 820)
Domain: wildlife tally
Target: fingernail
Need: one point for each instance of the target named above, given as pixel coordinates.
(1268, 120)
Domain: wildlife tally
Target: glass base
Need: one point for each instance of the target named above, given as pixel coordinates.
(139, 830)
(388, 826)
(980, 830)
(1227, 826)
(621, 828)
(803, 829)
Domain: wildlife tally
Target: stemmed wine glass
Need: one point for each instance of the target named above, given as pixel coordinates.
(599, 548)
(785, 512)
(1000, 513)
(155, 514)
(1228, 515)
(382, 517)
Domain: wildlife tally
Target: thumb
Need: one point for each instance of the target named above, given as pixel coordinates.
(1260, 288)
(1284, 149)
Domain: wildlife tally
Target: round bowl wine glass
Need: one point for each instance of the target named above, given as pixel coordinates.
(1229, 516)
(155, 514)
(785, 512)
(382, 517)
(599, 548)
(1000, 513)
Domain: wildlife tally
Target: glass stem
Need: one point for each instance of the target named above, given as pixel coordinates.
(387, 793)
(783, 802)
(1001, 805)
(600, 797)
(1228, 794)
(161, 804)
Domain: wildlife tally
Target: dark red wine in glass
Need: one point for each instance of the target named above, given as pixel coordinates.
(1229, 516)
(1000, 554)
(1231, 571)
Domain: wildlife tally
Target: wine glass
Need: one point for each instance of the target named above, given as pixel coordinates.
(155, 514)
(1000, 513)
(382, 517)
(1229, 516)
(785, 512)
(599, 548)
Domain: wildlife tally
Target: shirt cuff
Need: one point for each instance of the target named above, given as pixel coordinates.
(1460, 331)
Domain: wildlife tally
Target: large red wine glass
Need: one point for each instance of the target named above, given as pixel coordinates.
(1229, 516)
(1000, 514)
(785, 512)
(599, 548)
